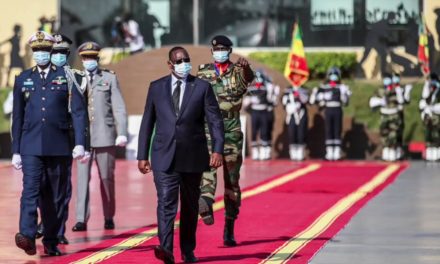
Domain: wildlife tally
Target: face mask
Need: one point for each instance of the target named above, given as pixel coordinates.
(59, 59)
(183, 69)
(387, 81)
(333, 77)
(90, 65)
(220, 55)
(41, 57)
(396, 79)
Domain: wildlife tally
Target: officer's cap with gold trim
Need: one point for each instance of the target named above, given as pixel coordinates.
(89, 49)
(41, 40)
(221, 40)
(61, 42)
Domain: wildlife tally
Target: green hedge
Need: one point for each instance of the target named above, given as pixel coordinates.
(318, 62)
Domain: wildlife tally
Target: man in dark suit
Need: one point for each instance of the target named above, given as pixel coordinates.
(177, 106)
(44, 110)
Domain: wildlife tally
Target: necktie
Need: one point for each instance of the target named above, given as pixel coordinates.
(43, 76)
(176, 97)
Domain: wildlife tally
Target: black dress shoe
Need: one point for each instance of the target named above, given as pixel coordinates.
(164, 255)
(109, 224)
(25, 243)
(228, 233)
(40, 230)
(80, 226)
(205, 210)
(189, 258)
(52, 250)
(63, 240)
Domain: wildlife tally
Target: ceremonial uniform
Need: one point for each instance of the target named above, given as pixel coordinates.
(261, 99)
(390, 100)
(332, 96)
(406, 90)
(430, 107)
(229, 82)
(295, 101)
(108, 129)
(40, 139)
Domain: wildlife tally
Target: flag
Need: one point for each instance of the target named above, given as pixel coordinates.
(423, 51)
(296, 70)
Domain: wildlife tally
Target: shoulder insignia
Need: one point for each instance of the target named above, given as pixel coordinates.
(205, 66)
(107, 70)
(79, 72)
(54, 68)
(34, 68)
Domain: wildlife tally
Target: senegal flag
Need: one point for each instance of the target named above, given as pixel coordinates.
(296, 69)
(423, 51)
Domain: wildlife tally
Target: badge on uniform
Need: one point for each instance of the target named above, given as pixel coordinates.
(101, 83)
(59, 80)
(28, 82)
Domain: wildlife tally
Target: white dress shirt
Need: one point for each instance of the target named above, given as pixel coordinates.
(46, 71)
(174, 80)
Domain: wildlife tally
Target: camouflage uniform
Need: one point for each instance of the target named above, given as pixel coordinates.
(430, 105)
(229, 89)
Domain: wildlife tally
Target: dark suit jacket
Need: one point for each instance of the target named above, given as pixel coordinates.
(41, 120)
(180, 138)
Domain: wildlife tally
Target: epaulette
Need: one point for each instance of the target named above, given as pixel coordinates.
(107, 70)
(204, 66)
(34, 68)
(54, 68)
(79, 72)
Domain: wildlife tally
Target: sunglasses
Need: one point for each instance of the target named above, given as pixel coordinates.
(179, 61)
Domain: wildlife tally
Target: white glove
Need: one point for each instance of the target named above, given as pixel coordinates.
(427, 113)
(327, 96)
(16, 161)
(78, 152)
(121, 141)
(85, 158)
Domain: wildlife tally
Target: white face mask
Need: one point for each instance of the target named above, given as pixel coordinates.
(41, 57)
(220, 56)
(183, 69)
(90, 65)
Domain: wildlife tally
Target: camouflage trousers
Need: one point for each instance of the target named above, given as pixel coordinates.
(232, 161)
(432, 131)
(391, 130)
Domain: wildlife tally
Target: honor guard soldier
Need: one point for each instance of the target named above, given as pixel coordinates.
(44, 111)
(229, 81)
(389, 100)
(75, 78)
(108, 129)
(332, 95)
(406, 100)
(261, 99)
(430, 107)
(295, 101)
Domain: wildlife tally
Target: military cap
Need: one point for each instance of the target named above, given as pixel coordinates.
(61, 42)
(89, 49)
(41, 40)
(221, 40)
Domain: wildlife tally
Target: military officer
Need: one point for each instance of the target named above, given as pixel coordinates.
(430, 107)
(229, 81)
(406, 100)
(332, 95)
(44, 109)
(261, 99)
(390, 100)
(108, 129)
(295, 101)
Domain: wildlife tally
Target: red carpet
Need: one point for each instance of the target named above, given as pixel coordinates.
(285, 219)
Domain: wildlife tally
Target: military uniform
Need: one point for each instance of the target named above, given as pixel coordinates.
(108, 128)
(260, 100)
(406, 90)
(40, 137)
(390, 100)
(295, 101)
(332, 96)
(430, 107)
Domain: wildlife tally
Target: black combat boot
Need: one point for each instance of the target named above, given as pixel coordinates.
(228, 234)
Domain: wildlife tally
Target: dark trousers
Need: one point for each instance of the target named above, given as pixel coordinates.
(45, 179)
(168, 184)
(333, 126)
(298, 132)
(261, 125)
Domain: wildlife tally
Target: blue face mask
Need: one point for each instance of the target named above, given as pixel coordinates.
(59, 59)
(41, 57)
(387, 81)
(183, 69)
(90, 65)
(220, 56)
(396, 79)
(333, 77)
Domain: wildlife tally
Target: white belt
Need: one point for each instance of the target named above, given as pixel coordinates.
(333, 104)
(389, 111)
(259, 107)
